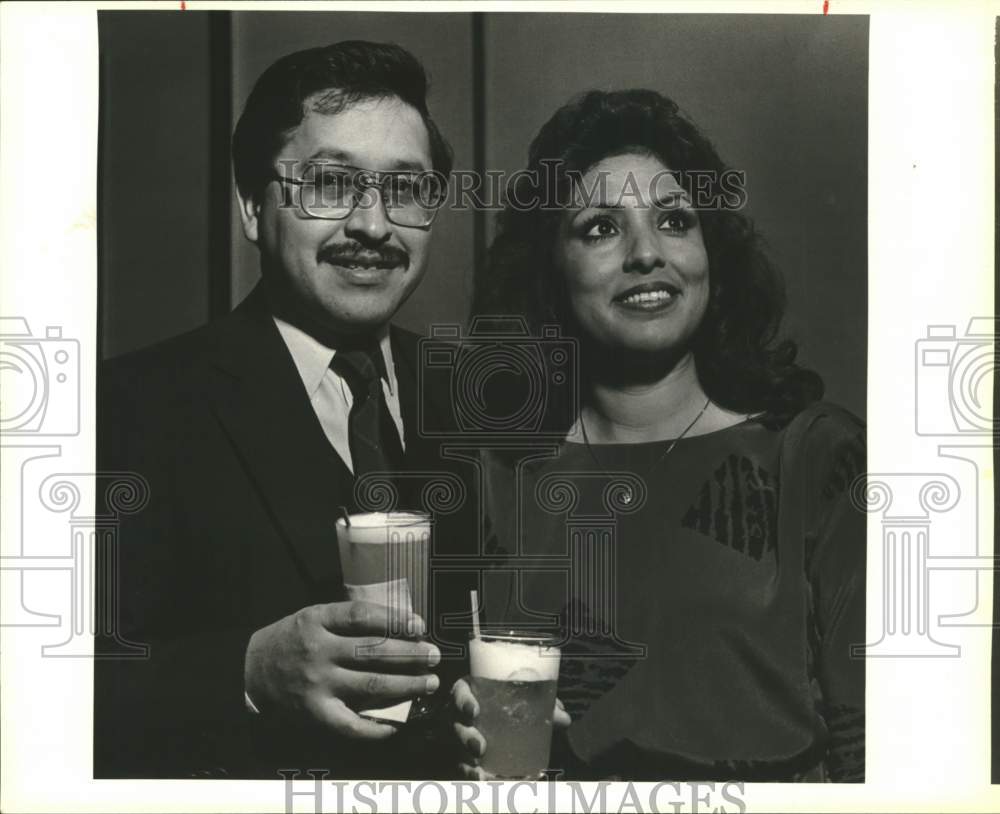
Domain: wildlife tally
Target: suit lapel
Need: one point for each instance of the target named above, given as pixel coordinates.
(421, 449)
(406, 381)
(259, 398)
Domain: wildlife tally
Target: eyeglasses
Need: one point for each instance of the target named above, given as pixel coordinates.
(332, 192)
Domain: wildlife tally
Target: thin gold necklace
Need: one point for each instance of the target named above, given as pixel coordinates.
(627, 495)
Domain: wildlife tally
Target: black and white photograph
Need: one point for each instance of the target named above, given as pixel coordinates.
(479, 400)
(611, 237)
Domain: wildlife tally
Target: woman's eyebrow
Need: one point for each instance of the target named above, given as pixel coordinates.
(671, 198)
(664, 201)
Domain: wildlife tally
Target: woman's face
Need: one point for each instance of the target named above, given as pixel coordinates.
(633, 258)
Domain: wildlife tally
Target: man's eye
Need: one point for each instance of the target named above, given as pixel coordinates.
(333, 180)
(401, 185)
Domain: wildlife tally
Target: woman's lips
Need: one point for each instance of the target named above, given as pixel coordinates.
(647, 297)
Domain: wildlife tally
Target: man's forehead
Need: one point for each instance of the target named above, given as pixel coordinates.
(383, 133)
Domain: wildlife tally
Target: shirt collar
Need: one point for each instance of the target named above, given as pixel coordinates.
(312, 358)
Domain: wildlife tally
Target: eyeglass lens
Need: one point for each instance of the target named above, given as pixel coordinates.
(333, 191)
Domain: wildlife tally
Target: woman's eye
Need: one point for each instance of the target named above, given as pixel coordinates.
(677, 220)
(600, 228)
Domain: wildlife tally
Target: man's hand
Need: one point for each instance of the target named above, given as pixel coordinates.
(326, 661)
(466, 710)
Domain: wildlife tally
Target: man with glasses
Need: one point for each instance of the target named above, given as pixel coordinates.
(252, 432)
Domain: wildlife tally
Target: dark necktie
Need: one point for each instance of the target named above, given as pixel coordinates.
(373, 439)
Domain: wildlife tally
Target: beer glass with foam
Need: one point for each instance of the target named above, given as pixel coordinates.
(514, 676)
(384, 557)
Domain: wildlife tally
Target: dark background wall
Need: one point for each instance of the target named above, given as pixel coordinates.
(155, 170)
(784, 97)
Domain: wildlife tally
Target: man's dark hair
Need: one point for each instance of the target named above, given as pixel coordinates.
(330, 78)
(740, 363)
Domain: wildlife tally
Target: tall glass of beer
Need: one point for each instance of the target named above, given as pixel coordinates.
(514, 676)
(384, 557)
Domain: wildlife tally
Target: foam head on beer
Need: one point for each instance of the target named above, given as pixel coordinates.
(514, 678)
(379, 527)
(513, 659)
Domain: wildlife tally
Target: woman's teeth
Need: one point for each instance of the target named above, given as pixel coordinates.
(648, 296)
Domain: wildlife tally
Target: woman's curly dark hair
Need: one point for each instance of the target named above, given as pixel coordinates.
(740, 363)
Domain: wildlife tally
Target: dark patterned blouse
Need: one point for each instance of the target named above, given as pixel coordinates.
(708, 601)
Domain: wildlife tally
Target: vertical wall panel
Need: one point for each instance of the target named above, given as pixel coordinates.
(783, 97)
(442, 42)
(155, 166)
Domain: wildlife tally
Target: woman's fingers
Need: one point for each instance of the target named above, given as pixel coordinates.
(471, 772)
(471, 739)
(560, 717)
(464, 701)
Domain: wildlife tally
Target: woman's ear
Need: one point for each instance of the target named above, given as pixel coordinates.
(249, 216)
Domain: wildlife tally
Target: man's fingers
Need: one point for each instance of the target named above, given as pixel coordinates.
(335, 714)
(464, 701)
(366, 619)
(471, 739)
(382, 687)
(389, 654)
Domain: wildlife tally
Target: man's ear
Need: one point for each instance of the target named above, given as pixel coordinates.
(249, 211)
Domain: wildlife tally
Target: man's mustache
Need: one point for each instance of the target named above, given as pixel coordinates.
(353, 253)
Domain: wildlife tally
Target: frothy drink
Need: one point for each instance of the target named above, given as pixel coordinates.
(384, 558)
(514, 678)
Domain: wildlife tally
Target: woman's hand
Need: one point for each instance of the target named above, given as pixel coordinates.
(466, 709)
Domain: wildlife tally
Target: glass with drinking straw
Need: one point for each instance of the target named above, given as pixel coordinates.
(514, 675)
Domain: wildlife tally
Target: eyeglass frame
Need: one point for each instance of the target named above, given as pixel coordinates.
(365, 179)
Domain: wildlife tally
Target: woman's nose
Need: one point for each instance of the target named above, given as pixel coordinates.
(644, 252)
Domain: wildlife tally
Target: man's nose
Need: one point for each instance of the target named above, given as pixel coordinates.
(368, 222)
(644, 253)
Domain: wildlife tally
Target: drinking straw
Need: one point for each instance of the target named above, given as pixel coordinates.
(345, 515)
(475, 614)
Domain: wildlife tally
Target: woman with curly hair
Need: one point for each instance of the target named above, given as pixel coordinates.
(708, 624)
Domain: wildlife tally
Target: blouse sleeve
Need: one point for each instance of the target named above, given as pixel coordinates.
(835, 567)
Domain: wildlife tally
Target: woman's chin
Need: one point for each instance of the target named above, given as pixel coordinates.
(645, 346)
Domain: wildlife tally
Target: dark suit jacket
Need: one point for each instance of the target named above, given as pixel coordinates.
(239, 532)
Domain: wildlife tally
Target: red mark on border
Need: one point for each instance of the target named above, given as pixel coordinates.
(826, 6)
(185, 8)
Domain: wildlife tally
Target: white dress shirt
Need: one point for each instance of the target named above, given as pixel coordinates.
(328, 391)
